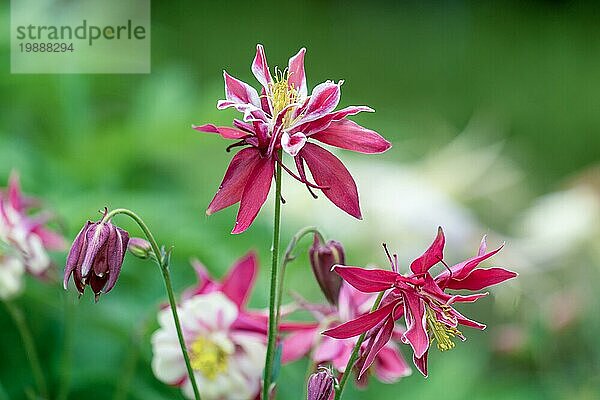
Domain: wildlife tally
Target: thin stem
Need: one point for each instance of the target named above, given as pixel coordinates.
(162, 259)
(273, 306)
(354, 355)
(288, 256)
(29, 345)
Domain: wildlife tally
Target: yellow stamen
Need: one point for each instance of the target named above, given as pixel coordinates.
(282, 94)
(208, 358)
(441, 332)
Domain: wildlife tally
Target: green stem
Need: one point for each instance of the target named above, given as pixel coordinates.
(288, 257)
(162, 259)
(29, 345)
(272, 333)
(340, 389)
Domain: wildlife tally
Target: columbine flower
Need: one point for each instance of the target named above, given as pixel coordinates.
(285, 117)
(388, 365)
(24, 238)
(227, 362)
(140, 248)
(421, 299)
(96, 257)
(323, 256)
(320, 385)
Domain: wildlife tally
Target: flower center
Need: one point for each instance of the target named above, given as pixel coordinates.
(282, 94)
(441, 333)
(208, 358)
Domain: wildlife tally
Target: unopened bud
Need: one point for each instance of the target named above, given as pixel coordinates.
(140, 248)
(320, 385)
(323, 256)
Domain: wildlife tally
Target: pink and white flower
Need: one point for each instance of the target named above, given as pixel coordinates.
(285, 117)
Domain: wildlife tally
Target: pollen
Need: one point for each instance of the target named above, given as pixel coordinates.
(208, 358)
(282, 93)
(440, 332)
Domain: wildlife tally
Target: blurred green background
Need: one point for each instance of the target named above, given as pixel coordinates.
(520, 76)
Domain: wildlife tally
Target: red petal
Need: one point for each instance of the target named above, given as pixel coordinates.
(297, 77)
(240, 279)
(367, 280)
(235, 179)
(433, 255)
(376, 344)
(461, 270)
(361, 324)
(328, 171)
(297, 345)
(226, 132)
(348, 135)
(421, 363)
(323, 100)
(255, 194)
(390, 365)
(416, 335)
(482, 278)
(240, 92)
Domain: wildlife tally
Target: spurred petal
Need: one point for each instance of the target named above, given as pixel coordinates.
(367, 280)
(292, 144)
(323, 100)
(235, 179)
(328, 171)
(224, 131)
(96, 237)
(240, 279)
(255, 194)
(416, 334)
(116, 256)
(297, 77)
(461, 270)
(376, 343)
(482, 278)
(260, 69)
(348, 135)
(76, 253)
(433, 255)
(361, 324)
(421, 363)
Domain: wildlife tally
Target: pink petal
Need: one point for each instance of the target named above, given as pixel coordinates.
(328, 171)
(376, 343)
(421, 363)
(240, 279)
(297, 77)
(240, 92)
(367, 280)
(328, 349)
(461, 270)
(255, 194)
(15, 195)
(226, 132)
(235, 179)
(467, 298)
(361, 324)
(323, 100)
(205, 283)
(416, 334)
(260, 69)
(390, 365)
(482, 278)
(294, 143)
(297, 345)
(348, 135)
(433, 255)
(318, 125)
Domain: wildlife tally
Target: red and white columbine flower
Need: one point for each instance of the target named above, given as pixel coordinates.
(284, 116)
(422, 300)
(226, 341)
(388, 364)
(24, 238)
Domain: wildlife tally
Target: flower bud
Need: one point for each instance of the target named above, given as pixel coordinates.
(320, 385)
(96, 257)
(322, 258)
(140, 248)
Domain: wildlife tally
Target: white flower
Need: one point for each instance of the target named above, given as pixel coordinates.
(11, 276)
(227, 363)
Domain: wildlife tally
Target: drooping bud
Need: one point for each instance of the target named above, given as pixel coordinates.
(96, 257)
(140, 248)
(323, 256)
(320, 385)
